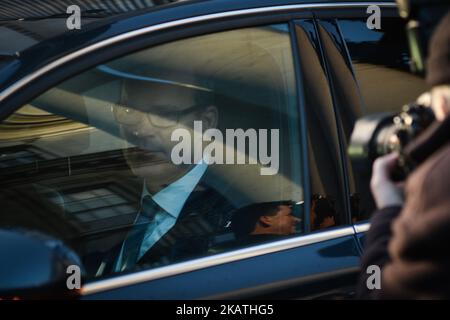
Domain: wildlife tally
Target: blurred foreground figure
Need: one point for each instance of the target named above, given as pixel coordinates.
(409, 238)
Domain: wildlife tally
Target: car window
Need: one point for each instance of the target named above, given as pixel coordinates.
(179, 151)
(381, 64)
(380, 60)
(325, 165)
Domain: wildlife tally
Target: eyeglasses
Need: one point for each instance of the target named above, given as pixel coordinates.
(160, 119)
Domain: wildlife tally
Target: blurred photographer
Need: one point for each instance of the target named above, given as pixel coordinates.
(409, 238)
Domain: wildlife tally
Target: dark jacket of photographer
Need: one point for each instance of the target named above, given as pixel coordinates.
(411, 245)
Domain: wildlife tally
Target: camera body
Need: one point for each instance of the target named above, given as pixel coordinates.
(379, 134)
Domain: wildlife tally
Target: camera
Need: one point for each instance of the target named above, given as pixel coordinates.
(379, 134)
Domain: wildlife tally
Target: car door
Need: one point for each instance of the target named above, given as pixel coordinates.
(69, 167)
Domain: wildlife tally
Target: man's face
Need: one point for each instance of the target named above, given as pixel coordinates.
(284, 222)
(148, 117)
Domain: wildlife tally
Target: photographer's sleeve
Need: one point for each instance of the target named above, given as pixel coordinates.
(376, 248)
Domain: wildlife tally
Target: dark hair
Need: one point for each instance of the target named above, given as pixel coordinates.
(244, 219)
(324, 207)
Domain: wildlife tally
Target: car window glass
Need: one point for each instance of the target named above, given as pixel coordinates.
(381, 63)
(380, 60)
(176, 152)
(325, 166)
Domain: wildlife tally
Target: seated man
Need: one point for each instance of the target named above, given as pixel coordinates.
(261, 222)
(179, 211)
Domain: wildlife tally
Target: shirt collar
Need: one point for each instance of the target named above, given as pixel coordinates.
(173, 197)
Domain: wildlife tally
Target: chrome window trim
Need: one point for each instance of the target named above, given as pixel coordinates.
(362, 227)
(218, 259)
(122, 37)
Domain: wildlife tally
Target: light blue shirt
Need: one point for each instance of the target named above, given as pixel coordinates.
(172, 199)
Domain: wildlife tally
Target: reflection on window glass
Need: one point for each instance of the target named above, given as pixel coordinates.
(159, 156)
(381, 64)
(325, 166)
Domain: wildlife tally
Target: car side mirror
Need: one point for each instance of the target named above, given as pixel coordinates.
(37, 266)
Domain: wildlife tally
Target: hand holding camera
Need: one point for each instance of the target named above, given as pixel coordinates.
(386, 192)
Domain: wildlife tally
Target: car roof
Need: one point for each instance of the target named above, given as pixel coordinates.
(40, 36)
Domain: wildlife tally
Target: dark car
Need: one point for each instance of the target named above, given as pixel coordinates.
(88, 120)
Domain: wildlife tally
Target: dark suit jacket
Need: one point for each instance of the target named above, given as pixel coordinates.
(205, 214)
